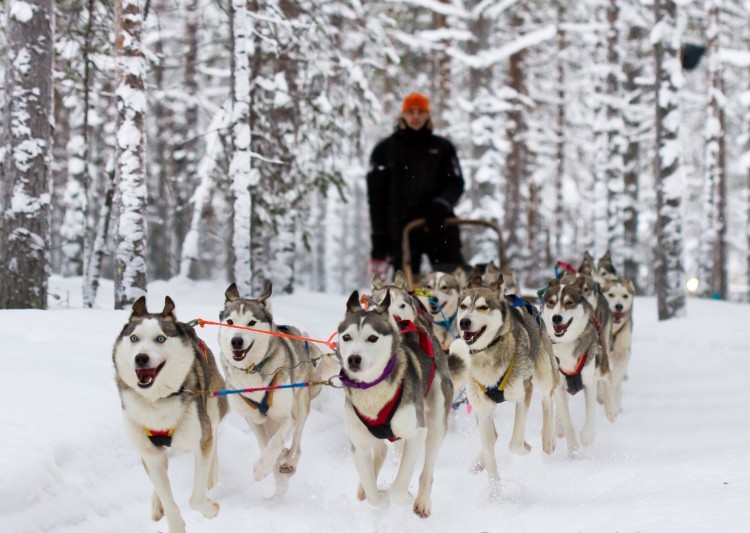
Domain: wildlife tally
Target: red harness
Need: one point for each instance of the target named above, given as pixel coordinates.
(407, 326)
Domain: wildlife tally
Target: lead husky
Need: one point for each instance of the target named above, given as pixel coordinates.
(255, 359)
(619, 294)
(393, 390)
(570, 324)
(160, 366)
(510, 355)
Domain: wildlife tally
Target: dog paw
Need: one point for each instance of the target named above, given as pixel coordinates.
(361, 493)
(177, 525)
(587, 436)
(401, 497)
(422, 506)
(478, 464)
(612, 416)
(206, 507)
(286, 468)
(380, 500)
(157, 509)
(520, 448)
(549, 444)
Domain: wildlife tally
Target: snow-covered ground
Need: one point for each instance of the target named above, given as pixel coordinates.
(677, 459)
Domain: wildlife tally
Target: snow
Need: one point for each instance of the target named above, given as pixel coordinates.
(22, 11)
(675, 460)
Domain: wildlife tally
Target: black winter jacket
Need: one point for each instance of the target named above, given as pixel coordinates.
(408, 170)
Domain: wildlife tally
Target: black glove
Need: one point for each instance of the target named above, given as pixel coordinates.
(438, 211)
(380, 246)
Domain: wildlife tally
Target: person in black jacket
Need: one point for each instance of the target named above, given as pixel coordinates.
(414, 174)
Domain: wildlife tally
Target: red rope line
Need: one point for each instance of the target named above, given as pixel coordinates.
(329, 343)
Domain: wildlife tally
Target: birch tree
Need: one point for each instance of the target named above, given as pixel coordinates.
(713, 249)
(24, 243)
(669, 270)
(130, 260)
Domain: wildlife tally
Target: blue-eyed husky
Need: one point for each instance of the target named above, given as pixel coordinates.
(161, 366)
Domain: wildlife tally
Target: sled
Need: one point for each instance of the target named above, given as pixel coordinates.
(411, 279)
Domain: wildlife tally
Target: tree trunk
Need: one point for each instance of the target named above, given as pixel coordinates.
(713, 250)
(669, 270)
(518, 159)
(240, 167)
(130, 259)
(615, 141)
(632, 68)
(558, 220)
(24, 243)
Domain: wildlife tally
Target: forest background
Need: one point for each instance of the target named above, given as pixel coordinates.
(204, 139)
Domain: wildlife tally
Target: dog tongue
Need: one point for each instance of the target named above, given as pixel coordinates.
(145, 373)
(619, 316)
(468, 335)
(560, 329)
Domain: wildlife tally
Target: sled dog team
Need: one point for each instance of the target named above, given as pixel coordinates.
(401, 360)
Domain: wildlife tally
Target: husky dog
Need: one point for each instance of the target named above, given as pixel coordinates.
(403, 304)
(604, 323)
(570, 323)
(443, 304)
(255, 359)
(161, 366)
(394, 390)
(510, 355)
(619, 294)
(601, 270)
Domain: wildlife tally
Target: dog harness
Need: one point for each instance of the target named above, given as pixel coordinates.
(407, 326)
(574, 379)
(380, 426)
(446, 324)
(496, 393)
(160, 438)
(265, 404)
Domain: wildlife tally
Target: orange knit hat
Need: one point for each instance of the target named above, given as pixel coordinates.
(416, 101)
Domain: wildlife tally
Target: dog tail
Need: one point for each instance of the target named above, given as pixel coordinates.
(459, 363)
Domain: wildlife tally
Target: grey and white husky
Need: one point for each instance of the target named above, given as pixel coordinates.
(161, 367)
(442, 305)
(510, 355)
(620, 294)
(394, 390)
(571, 326)
(256, 359)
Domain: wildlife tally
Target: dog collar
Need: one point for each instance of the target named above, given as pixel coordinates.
(348, 382)
(266, 402)
(490, 345)
(160, 438)
(496, 392)
(256, 368)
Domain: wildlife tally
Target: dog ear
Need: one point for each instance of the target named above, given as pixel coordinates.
(587, 264)
(266, 294)
(630, 286)
(377, 282)
(168, 311)
(607, 257)
(399, 280)
(460, 275)
(498, 284)
(232, 293)
(580, 282)
(491, 268)
(352, 304)
(475, 282)
(385, 304)
(139, 308)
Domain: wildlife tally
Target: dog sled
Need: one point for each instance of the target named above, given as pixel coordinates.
(411, 277)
